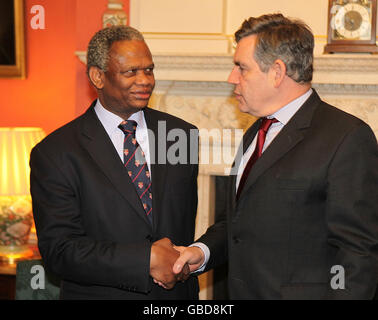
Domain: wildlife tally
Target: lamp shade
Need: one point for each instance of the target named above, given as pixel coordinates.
(15, 147)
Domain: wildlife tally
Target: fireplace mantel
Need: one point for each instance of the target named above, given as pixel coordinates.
(328, 68)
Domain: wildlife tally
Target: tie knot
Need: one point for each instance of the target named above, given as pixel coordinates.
(128, 126)
(266, 123)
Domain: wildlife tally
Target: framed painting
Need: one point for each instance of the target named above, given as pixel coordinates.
(12, 39)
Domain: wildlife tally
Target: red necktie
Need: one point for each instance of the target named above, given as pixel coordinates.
(264, 127)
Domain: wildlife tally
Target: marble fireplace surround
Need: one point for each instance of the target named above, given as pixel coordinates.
(194, 87)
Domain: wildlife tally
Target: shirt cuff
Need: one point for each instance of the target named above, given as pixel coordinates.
(205, 251)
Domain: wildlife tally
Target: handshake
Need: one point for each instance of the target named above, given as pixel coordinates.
(169, 263)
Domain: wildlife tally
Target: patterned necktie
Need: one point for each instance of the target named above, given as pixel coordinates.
(136, 165)
(264, 127)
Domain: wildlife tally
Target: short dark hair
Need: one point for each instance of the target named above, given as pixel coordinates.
(101, 42)
(278, 37)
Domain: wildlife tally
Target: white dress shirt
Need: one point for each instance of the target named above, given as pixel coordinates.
(283, 116)
(111, 121)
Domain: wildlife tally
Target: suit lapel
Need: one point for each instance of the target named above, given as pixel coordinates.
(98, 144)
(158, 171)
(247, 140)
(290, 135)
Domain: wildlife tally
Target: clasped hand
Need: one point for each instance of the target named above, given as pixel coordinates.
(169, 264)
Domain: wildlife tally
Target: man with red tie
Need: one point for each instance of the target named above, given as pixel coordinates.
(103, 202)
(301, 217)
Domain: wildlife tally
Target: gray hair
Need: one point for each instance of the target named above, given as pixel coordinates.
(100, 44)
(281, 38)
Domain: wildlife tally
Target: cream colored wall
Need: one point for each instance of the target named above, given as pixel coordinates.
(182, 26)
(207, 26)
(181, 16)
(313, 12)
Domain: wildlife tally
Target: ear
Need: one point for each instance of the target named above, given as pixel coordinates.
(97, 77)
(278, 70)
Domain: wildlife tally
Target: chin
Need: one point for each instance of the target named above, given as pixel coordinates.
(140, 106)
(243, 108)
(141, 103)
(253, 113)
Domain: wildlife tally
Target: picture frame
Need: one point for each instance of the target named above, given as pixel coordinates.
(12, 39)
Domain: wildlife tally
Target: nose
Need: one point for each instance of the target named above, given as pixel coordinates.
(233, 78)
(144, 79)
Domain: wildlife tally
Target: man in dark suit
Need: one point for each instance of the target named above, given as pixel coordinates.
(104, 205)
(302, 212)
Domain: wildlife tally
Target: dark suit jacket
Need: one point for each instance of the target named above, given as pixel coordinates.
(310, 203)
(92, 229)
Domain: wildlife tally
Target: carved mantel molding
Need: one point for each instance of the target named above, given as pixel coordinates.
(329, 69)
(347, 63)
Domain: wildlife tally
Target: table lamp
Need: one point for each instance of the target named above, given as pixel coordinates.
(16, 217)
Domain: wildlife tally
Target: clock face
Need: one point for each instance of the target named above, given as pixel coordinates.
(351, 20)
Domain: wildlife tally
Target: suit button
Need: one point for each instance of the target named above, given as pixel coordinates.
(236, 240)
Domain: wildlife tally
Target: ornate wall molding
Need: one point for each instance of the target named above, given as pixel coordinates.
(347, 89)
(213, 88)
(346, 63)
(202, 88)
(335, 69)
(196, 62)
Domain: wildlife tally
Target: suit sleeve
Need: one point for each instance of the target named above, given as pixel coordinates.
(215, 237)
(65, 247)
(352, 213)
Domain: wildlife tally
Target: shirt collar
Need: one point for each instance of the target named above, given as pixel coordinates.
(284, 114)
(111, 121)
